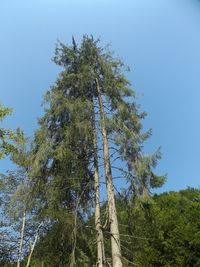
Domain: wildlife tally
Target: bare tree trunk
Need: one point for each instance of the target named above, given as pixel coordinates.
(21, 239)
(114, 228)
(72, 262)
(100, 239)
(33, 245)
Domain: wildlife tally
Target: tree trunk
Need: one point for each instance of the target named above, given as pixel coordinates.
(21, 239)
(114, 228)
(33, 245)
(99, 233)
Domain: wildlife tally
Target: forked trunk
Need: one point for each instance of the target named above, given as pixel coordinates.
(99, 233)
(114, 228)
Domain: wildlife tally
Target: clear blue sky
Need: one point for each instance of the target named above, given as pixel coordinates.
(159, 40)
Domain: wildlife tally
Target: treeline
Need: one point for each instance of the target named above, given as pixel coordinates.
(163, 232)
(63, 206)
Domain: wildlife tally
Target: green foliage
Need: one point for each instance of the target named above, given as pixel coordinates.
(59, 166)
(9, 140)
(165, 232)
(84, 67)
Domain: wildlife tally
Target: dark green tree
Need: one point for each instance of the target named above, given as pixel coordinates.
(107, 89)
(89, 107)
(164, 232)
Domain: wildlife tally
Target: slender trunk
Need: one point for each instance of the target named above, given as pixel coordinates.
(72, 262)
(21, 239)
(33, 246)
(114, 228)
(100, 239)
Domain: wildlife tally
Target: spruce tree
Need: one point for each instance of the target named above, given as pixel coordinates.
(90, 105)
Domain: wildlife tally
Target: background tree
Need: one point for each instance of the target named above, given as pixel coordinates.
(9, 144)
(18, 213)
(8, 138)
(164, 232)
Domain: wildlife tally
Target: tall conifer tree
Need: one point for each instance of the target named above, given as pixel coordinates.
(91, 87)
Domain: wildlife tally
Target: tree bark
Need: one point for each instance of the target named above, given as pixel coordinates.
(33, 246)
(21, 240)
(99, 232)
(114, 228)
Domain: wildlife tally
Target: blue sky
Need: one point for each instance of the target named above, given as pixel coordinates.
(159, 40)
